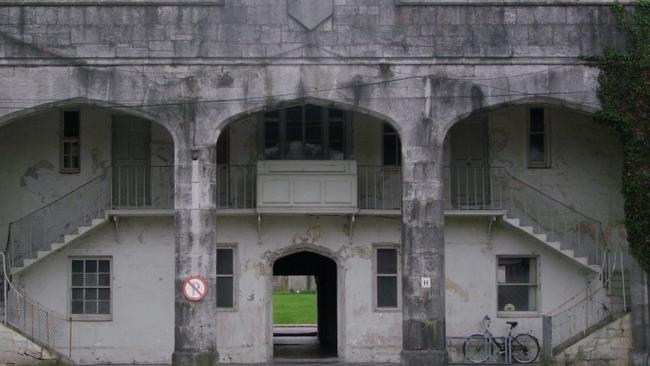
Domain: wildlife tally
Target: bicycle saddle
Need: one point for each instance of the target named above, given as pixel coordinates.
(512, 324)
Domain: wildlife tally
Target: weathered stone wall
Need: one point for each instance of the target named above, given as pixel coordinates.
(357, 28)
(608, 346)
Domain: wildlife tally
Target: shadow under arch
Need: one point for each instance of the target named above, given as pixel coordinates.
(540, 100)
(276, 105)
(325, 266)
(86, 103)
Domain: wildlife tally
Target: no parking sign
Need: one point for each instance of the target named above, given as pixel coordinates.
(195, 288)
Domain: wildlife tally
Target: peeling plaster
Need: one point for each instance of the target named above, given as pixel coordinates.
(34, 172)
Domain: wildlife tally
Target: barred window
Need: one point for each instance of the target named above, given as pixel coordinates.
(90, 294)
(517, 284)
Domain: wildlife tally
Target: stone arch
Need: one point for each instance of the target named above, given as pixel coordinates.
(87, 102)
(280, 104)
(327, 254)
(581, 107)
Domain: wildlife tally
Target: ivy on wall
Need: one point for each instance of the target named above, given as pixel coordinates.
(625, 98)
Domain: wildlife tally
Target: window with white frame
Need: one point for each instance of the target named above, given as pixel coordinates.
(538, 138)
(517, 284)
(305, 132)
(70, 142)
(387, 277)
(90, 295)
(226, 277)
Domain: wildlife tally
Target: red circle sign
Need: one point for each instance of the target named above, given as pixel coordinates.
(195, 288)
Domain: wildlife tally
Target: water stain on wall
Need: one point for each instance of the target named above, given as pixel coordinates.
(35, 171)
(456, 289)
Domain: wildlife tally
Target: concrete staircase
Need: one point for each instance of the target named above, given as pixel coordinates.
(66, 241)
(556, 246)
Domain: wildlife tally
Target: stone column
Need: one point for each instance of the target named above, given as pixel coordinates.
(423, 309)
(640, 307)
(195, 327)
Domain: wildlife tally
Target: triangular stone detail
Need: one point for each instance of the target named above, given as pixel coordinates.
(310, 13)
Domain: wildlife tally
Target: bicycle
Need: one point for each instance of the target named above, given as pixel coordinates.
(478, 347)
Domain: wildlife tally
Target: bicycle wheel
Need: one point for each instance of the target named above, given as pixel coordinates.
(525, 348)
(477, 348)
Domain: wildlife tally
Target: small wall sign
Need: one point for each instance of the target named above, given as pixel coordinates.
(425, 282)
(195, 288)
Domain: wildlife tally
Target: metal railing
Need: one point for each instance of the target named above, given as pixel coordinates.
(590, 308)
(379, 187)
(44, 327)
(143, 187)
(63, 216)
(236, 186)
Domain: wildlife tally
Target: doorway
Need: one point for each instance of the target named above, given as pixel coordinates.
(470, 176)
(298, 341)
(131, 162)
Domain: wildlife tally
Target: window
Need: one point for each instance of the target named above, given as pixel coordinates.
(392, 146)
(387, 278)
(226, 278)
(90, 295)
(306, 132)
(538, 144)
(70, 142)
(517, 284)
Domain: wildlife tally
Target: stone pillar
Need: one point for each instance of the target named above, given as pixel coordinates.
(195, 327)
(423, 309)
(640, 298)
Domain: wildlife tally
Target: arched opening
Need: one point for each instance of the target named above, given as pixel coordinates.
(319, 137)
(303, 341)
(67, 164)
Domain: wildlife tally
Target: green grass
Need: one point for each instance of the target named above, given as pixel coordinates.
(292, 308)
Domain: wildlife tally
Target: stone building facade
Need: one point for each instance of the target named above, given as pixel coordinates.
(417, 156)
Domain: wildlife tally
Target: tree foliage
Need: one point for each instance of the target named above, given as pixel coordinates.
(625, 98)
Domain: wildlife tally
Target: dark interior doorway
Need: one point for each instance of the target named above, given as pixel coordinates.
(324, 343)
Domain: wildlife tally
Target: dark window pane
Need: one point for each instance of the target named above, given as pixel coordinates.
(77, 266)
(77, 294)
(90, 280)
(517, 298)
(77, 279)
(386, 261)
(294, 133)
(336, 140)
(105, 266)
(335, 113)
(272, 139)
(224, 292)
(387, 292)
(537, 148)
(77, 307)
(104, 307)
(104, 279)
(91, 294)
(517, 270)
(392, 147)
(104, 294)
(71, 124)
(91, 266)
(75, 162)
(225, 261)
(537, 120)
(312, 113)
(90, 307)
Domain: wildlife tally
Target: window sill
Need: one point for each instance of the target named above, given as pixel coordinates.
(387, 310)
(227, 310)
(91, 318)
(517, 314)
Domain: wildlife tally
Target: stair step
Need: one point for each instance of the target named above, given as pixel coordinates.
(555, 245)
(69, 237)
(568, 253)
(98, 221)
(28, 262)
(56, 246)
(582, 260)
(541, 237)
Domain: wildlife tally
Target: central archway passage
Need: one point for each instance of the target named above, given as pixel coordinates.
(324, 270)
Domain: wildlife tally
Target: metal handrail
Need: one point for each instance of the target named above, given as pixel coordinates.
(75, 190)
